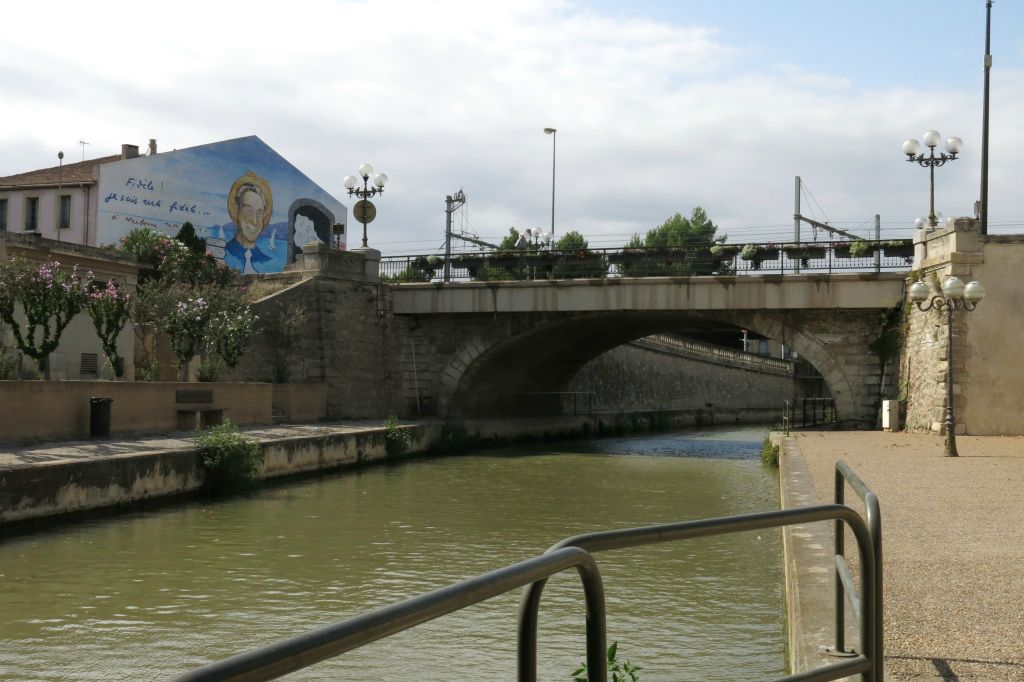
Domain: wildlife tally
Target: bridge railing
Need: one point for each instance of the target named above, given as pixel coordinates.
(675, 261)
(577, 552)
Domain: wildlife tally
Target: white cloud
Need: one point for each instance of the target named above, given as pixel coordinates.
(652, 118)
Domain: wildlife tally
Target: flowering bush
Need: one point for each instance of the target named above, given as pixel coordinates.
(49, 297)
(109, 308)
(229, 332)
(186, 325)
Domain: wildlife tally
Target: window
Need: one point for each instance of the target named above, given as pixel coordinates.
(3, 215)
(65, 212)
(31, 214)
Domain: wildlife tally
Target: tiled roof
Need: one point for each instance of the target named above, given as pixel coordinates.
(70, 174)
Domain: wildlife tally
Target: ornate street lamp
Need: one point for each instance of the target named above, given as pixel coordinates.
(955, 295)
(912, 148)
(539, 236)
(363, 210)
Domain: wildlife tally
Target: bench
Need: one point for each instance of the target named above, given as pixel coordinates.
(196, 410)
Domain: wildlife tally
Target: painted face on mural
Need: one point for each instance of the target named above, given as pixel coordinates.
(250, 217)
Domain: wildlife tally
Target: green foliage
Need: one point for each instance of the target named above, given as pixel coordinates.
(186, 326)
(188, 296)
(621, 671)
(397, 439)
(571, 241)
(8, 362)
(770, 453)
(228, 332)
(49, 296)
(149, 370)
(421, 269)
(109, 307)
(229, 459)
(187, 236)
(509, 241)
(861, 248)
(679, 246)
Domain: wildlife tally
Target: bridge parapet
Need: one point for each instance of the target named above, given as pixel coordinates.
(763, 292)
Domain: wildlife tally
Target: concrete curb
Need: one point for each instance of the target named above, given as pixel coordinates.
(808, 559)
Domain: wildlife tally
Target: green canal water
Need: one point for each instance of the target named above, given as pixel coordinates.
(147, 594)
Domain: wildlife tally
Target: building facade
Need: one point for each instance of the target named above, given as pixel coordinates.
(255, 209)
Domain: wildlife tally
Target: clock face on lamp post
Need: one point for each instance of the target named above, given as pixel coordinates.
(364, 211)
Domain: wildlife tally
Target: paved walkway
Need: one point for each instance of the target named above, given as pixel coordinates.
(15, 455)
(953, 547)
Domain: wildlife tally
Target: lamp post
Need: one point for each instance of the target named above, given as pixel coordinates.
(60, 189)
(539, 236)
(554, 144)
(912, 148)
(363, 210)
(955, 295)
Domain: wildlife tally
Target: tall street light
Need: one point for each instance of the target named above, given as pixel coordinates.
(955, 295)
(554, 144)
(912, 148)
(363, 210)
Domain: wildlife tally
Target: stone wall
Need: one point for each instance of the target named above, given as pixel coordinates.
(346, 341)
(988, 359)
(637, 378)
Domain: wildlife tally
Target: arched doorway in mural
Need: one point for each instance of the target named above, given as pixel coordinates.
(308, 220)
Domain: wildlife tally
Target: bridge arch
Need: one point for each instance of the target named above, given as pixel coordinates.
(484, 363)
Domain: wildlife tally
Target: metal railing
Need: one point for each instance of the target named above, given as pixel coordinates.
(576, 552)
(675, 261)
(709, 351)
(844, 580)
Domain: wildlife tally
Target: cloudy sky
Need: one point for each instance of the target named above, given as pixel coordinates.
(659, 106)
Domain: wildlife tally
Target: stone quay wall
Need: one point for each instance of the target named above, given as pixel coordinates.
(645, 377)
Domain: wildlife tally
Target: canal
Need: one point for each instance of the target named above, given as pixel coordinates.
(149, 593)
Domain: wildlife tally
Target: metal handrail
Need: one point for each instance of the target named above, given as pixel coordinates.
(298, 652)
(681, 260)
(576, 552)
(844, 581)
(865, 663)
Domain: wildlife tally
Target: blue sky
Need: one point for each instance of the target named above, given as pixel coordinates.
(659, 106)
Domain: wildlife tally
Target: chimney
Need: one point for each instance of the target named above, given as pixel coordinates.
(129, 151)
(152, 146)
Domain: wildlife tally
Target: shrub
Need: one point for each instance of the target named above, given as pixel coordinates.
(621, 671)
(229, 459)
(397, 439)
(770, 453)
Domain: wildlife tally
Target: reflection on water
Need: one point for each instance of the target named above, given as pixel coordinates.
(149, 594)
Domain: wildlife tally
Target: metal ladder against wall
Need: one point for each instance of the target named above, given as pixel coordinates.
(577, 552)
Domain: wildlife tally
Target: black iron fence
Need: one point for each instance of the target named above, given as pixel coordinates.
(577, 552)
(676, 261)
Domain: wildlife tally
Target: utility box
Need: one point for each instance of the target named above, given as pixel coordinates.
(891, 415)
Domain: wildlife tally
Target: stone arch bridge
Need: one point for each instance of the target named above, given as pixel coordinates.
(470, 349)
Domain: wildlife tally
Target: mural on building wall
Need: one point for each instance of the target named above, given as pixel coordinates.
(255, 210)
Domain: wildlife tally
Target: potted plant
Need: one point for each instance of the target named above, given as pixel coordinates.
(803, 252)
(756, 253)
(856, 249)
(900, 248)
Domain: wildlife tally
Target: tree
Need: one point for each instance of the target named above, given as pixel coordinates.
(571, 241)
(109, 308)
(187, 236)
(687, 242)
(49, 297)
(189, 296)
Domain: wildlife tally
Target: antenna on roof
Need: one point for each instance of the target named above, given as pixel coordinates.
(83, 143)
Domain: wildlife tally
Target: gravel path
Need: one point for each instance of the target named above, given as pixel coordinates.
(953, 547)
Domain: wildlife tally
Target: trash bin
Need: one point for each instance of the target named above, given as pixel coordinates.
(99, 417)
